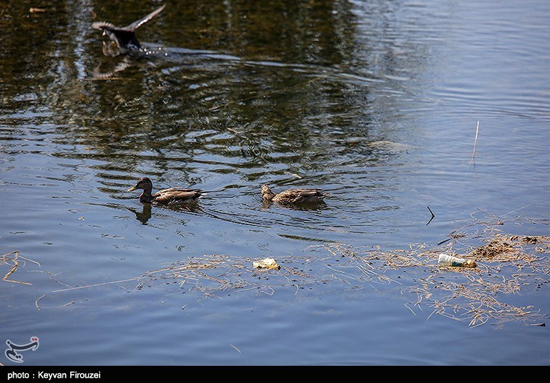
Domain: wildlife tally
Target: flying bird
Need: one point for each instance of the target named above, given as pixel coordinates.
(124, 37)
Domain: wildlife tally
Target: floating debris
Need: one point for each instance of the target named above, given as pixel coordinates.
(267, 263)
(450, 260)
(509, 265)
(11, 259)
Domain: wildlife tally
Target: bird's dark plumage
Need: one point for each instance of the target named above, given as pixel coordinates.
(125, 37)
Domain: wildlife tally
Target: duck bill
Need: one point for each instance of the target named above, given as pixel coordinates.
(132, 188)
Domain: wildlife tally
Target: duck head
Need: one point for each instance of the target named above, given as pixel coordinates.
(143, 183)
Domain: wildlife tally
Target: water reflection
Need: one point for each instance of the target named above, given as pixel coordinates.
(237, 95)
(243, 108)
(108, 68)
(315, 206)
(368, 100)
(144, 215)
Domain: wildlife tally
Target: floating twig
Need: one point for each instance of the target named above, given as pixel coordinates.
(239, 351)
(475, 143)
(95, 285)
(36, 303)
(15, 266)
(433, 215)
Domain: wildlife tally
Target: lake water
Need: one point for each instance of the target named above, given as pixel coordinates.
(396, 109)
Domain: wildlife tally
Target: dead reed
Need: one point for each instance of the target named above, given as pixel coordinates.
(12, 259)
(511, 269)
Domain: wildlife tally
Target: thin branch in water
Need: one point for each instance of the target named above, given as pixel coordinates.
(95, 285)
(15, 266)
(433, 215)
(475, 143)
(36, 303)
(239, 351)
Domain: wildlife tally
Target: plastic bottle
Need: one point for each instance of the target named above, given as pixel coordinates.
(449, 260)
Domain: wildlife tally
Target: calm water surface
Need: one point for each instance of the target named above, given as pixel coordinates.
(376, 102)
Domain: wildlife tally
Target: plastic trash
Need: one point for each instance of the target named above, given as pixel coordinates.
(449, 260)
(267, 263)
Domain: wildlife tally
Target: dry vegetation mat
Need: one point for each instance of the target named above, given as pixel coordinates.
(511, 269)
(508, 265)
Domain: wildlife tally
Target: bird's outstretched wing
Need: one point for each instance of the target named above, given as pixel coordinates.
(136, 24)
(125, 37)
(103, 25)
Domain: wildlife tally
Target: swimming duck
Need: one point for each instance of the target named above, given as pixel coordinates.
(172, 196)
(124, 37)
(293, 196)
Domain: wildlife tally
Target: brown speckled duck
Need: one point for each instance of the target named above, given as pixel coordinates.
(293, 196)
(125, 37)
(172, 196)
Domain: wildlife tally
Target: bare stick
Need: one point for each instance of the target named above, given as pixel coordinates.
(235, 348)
(95, 285)
(433, 215)
(475, 142)
(36, 303)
